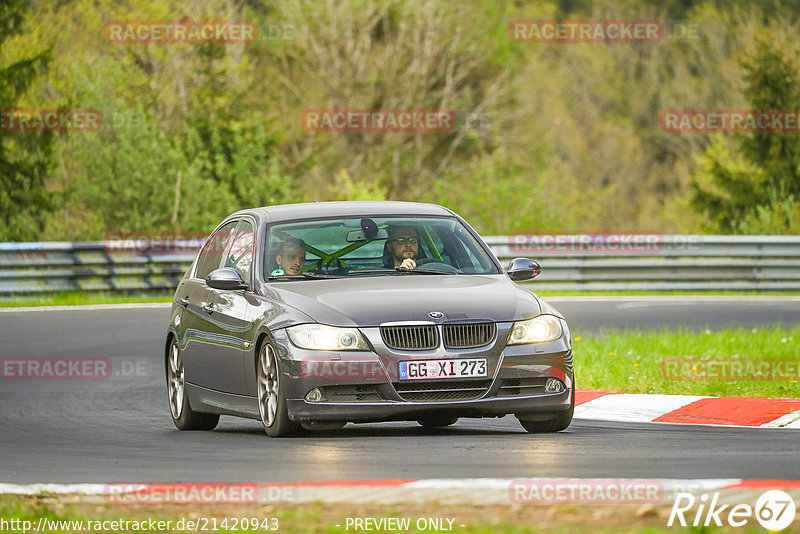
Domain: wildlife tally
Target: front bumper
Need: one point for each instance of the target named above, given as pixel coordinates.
(364, 386)
(301, 410)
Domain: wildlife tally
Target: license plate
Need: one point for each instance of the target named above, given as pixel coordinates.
(427, 369)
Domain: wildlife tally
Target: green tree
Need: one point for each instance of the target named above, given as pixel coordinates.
(24, 156)
(752, 184)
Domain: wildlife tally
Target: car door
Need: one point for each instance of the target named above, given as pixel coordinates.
(198, 346)
(226, 310)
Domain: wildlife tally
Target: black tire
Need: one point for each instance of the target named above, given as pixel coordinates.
(181, 410)
(540, 424)
(271, 397)
(437, 421)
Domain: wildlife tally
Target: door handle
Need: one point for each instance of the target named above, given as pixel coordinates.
(209, 307)
(184, 302)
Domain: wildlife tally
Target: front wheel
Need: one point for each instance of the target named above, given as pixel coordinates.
(182, 414)
(436, 421)
(541, 424)
(271, 397)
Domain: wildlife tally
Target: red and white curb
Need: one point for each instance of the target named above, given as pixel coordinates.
(483, 491)
(687, 409)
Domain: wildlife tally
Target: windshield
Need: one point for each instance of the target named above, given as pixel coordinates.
(378, 246)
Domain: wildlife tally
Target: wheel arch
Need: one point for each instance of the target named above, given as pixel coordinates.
(263, 337)
(171, 335)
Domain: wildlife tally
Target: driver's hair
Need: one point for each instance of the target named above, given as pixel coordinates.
(291, 242)
(393, 229)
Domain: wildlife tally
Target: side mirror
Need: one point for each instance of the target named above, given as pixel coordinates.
(226, 278)
(520, 269)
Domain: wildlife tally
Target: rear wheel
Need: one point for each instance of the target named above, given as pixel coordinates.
(437, 421)
(271, 397)
(182, 414)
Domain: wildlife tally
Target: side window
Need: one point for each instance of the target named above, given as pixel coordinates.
(211, 255)
(240, 255)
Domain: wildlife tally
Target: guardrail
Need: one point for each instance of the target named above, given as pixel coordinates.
(569, 263)
(654, 262)
(92, 266)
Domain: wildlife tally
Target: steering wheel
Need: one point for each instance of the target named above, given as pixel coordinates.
(436, 265)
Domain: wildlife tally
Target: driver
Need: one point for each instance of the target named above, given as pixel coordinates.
(402, 247)
(291, 257)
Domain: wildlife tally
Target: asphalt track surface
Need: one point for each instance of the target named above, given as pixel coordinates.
(119, 429)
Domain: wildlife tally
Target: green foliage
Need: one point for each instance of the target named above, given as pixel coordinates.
(780, 215)
(24, 156)
(149, 172)
(140, 178)
(350, 190)
(549, 137)
(757, 190)
(502, 197)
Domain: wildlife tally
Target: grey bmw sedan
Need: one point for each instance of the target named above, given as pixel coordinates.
(310, 316)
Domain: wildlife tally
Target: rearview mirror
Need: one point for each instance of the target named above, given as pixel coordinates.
(520, 269)
(358, 235)
(226, 278)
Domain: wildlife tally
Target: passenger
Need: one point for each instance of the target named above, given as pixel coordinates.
(402, 247)
(290, 258)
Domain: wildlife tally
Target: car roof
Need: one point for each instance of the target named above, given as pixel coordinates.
(374, 208)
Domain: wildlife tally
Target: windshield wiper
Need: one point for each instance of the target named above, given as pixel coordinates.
(421, 271)
(304, 276)
(395, 271)
(320, 276)
(371, 271)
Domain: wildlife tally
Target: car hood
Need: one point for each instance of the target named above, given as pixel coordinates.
(373, 300)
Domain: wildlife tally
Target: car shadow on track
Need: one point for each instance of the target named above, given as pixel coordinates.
(386, 430)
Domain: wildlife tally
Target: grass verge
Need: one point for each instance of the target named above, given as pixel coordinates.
(319, 518)
(79, 298)
(723, 363)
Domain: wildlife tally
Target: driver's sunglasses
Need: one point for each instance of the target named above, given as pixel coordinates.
(404, 240)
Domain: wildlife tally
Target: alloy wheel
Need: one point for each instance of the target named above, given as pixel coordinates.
(268, 385)
(175, 381)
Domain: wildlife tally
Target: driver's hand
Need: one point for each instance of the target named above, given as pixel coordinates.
(408, 263)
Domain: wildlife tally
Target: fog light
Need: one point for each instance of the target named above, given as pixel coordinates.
(553, 385)
(315, 395)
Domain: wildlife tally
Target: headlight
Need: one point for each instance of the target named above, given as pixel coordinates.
(322, 337)
(537, 330)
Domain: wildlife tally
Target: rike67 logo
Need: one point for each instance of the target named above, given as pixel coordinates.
(774, 510)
